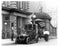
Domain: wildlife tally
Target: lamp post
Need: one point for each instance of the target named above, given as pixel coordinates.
(5, 29)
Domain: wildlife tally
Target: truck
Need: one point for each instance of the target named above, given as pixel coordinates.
(42, 31)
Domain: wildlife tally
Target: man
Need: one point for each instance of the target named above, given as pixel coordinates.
(12, 34)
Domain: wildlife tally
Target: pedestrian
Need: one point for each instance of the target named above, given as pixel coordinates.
(12, 34)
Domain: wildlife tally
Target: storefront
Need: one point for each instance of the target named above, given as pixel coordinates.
(13, 18)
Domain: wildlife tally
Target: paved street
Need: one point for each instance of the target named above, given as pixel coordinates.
(50, 42)
(41, 42)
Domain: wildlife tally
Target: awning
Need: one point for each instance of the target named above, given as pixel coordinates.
(11, 10)
(21, 15)
(42, 16)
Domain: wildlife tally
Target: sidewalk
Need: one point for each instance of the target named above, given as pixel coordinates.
(7, 41)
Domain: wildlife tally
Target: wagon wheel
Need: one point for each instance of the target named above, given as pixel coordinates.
(46, 37)
(27, 40)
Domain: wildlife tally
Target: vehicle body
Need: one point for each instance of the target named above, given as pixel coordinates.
(30, 33)
(42, 32)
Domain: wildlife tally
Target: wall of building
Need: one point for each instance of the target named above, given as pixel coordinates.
(22, 5)
(18, 20)
(5, 27)
(13, 21)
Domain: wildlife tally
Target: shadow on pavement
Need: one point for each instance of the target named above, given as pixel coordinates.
(7, 44)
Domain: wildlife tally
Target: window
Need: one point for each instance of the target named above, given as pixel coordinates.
(12, 24)
(6, 18)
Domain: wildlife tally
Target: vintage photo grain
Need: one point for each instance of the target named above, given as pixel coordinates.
(29, 22)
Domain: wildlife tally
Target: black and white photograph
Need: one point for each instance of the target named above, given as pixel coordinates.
(29, 23)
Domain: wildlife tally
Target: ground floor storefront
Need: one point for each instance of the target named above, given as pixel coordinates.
(12, 21)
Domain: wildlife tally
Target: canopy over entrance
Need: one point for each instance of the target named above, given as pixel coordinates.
(42, 16)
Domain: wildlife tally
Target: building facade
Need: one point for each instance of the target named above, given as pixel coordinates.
(21, 5)
(13, 18)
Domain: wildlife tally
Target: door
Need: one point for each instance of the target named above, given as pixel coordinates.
(19, 24)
